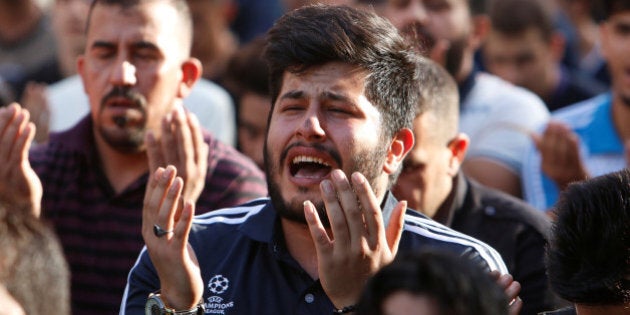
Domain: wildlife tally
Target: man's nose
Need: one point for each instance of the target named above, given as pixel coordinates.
(123, 73)
(311, 128)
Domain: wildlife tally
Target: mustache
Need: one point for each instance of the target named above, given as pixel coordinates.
(333, 154)
(125, 92)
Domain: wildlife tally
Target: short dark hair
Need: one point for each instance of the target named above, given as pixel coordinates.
(439, 96)
(319, 34)
(514, 17)
(588, 255)
(611, 7)
(181, 6)
(458, 285)
(33, 267)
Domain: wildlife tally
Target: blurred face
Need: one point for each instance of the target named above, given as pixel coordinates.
(132, 71)
(252, 126)
(615, 39)
(427, 178)
(525, 60)
(322, 121)
(405, 303)
(427, 21)
(208, 22)
(440, 19)
(69, 18)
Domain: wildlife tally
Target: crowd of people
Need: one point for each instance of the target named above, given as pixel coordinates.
(314, 157)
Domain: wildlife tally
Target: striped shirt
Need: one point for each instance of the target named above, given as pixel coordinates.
(100, 229)
(247, 268)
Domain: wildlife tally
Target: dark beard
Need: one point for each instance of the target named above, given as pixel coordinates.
(370, 164)
(133, 140)
(423, 41)
(625, 99)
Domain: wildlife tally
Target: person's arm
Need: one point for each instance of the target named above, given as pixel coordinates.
(19, 184)
(493, 174)
(362, 243)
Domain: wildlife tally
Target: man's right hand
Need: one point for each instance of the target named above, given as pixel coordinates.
(560, 154)
(173, 258)
(19, 184)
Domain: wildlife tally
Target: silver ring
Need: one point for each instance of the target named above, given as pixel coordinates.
(159, 231)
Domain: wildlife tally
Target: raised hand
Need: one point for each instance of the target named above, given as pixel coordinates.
(172, 256)
(19, 184)
(360, 244)
(560, 154)
(181, 145)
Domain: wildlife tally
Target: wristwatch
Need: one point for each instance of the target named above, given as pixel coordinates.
(155, 306)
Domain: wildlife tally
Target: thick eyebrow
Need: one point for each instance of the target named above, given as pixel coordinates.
(292, 95)
(102, 44)
(145, 45)
(136, 45)
(327, 95)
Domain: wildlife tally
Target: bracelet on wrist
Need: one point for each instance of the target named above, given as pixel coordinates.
(345, 309)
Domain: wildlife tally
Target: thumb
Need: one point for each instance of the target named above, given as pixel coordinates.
(393, 233)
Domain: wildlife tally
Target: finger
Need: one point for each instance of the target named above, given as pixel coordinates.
(11, 133)
(152, 199)
(350, 209)
(182, 134)
(7, 114)
(513, 290)
(170, 202)
(201, 148)
(537, 139)
(23, 143)
(318, 232)
(371, 209)
(154, 154)
(168, 141)
(396, 226)
(336, 217)
(183, 226)
(515, 306)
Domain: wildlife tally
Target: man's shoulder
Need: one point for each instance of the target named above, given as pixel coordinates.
(496, 206)
(232, 215)
(423, 232)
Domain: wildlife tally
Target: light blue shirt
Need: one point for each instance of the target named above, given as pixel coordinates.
(601, 148)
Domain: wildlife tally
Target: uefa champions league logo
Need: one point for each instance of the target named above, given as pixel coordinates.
(218, 284)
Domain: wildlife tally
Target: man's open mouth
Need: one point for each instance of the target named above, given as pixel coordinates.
(303, 166)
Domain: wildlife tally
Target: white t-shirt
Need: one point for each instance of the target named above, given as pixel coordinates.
(497, 115)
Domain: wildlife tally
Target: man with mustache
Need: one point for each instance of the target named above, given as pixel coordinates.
(344, 90)
(495, 114)
(592, 137)
(90, 180)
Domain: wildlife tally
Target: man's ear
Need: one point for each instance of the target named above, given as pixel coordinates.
(81, 70)
(191, 72)
(458, 147)
(481, 28)
(400, 145)
(558, 44)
